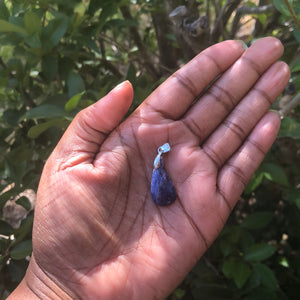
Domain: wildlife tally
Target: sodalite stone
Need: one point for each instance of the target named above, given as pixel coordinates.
(162, 189)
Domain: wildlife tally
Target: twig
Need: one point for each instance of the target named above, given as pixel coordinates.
(210, 265)
(107, 63)
(218, 24)
(246, 10)
(2, 63)
(293, 14)
(120, 47)
(290, 106)
(167, 55)
(232, 6)
(148, 64)
(207, 12)
(222, 19)
(27, 99)
(111, 41)
(216, 7)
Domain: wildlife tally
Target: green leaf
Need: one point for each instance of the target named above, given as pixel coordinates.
(284, 262)
(36, 130)
(293, 196)
(18, 163)
(32, 22)
(94, 6)
(296, 66)
(50, 66)
(296, 33)
(79, 14)
(8, 27)
(259, 252)
(109, 8)
(53, 32)
(12, 117)
(234, 233)
(15, 65)
(254, 182)
(84, 103)
(34, 41)
(103, 90)
(44, 111)
(75, 84)
(263, 18)
(289, 128)
(281, 7)
(17, 270)
(21, 250)
(243, 271)
(80, 9)
(4, 244)
(178, 293)
(90, 44)
(246, 240)
(131, 73)
(226, 247)
(228, 267)
(24, 229)
(257, 220)
(236, 269)
(4, 13)
(4, 197)
(275, 173)
(97, 4)
(252, 283)
(266, 275)
(73, 102)
(24, 202)
(5, 228)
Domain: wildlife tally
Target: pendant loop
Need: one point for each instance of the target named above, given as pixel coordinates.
(162, 149)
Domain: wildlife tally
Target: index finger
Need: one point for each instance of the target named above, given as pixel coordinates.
(173, 98)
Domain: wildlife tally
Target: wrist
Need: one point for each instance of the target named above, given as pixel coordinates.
(38, 285)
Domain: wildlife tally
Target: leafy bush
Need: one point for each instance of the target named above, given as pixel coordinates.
(57, 57)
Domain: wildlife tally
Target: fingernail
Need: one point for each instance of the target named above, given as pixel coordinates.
(120, 85)
(244, 45)
(277, 112)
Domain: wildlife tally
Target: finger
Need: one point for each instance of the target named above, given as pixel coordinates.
(233, 130)
(90, 127)
(236, 173)
(172, 98)
(224, 95)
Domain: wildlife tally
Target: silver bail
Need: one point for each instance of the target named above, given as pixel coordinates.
(162, 149)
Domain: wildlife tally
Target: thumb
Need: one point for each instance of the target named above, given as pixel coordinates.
(90, 127)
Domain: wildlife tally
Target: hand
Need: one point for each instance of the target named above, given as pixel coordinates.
(97, 233)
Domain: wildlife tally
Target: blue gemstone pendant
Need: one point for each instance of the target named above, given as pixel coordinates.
(162, 189)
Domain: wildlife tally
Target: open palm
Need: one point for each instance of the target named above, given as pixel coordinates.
(97, 233)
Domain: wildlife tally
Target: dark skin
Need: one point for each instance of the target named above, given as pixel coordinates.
(97, 234)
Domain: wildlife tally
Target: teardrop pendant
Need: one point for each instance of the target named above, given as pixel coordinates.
(162, 189)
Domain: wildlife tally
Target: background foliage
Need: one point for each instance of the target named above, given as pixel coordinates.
(57, 57)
